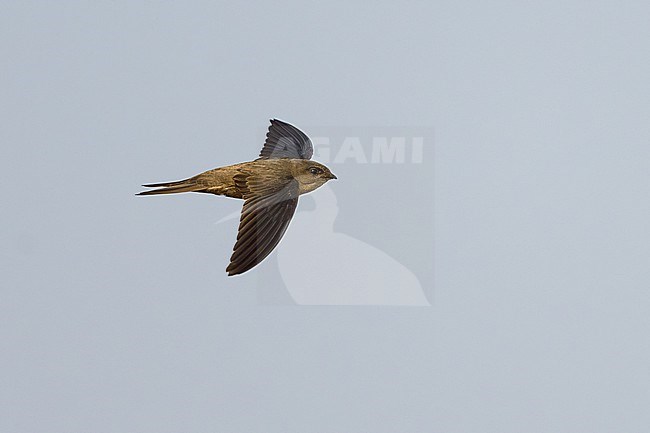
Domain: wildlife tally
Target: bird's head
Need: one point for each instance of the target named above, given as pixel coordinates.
(311, 175)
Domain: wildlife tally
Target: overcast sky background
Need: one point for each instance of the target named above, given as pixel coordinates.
(115, 311)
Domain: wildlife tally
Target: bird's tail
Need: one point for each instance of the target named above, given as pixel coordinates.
(187, 185)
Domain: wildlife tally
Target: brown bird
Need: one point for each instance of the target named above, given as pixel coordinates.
(269, 185)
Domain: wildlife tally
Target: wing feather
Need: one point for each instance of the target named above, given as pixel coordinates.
(286, 141)
(264, 220)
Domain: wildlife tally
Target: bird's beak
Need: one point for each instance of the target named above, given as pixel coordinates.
(331, 176)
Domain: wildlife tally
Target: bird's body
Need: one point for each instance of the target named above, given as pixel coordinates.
(269, 186)
(221, 180)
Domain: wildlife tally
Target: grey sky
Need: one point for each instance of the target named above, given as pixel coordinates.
(115, 311)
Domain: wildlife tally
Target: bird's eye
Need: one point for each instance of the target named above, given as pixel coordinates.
(315, 170)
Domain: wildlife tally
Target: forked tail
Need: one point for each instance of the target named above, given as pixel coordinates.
(187, 185)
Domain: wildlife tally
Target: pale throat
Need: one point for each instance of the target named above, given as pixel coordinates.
(304, 188)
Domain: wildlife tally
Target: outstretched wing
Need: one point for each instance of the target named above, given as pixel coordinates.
(286, 141)
(265, 216)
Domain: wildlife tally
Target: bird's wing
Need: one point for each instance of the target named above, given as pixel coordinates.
(286, 141)
(268, 209)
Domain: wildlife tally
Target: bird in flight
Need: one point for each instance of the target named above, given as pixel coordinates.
(269, 186)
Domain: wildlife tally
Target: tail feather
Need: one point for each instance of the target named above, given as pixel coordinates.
(187, 185)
